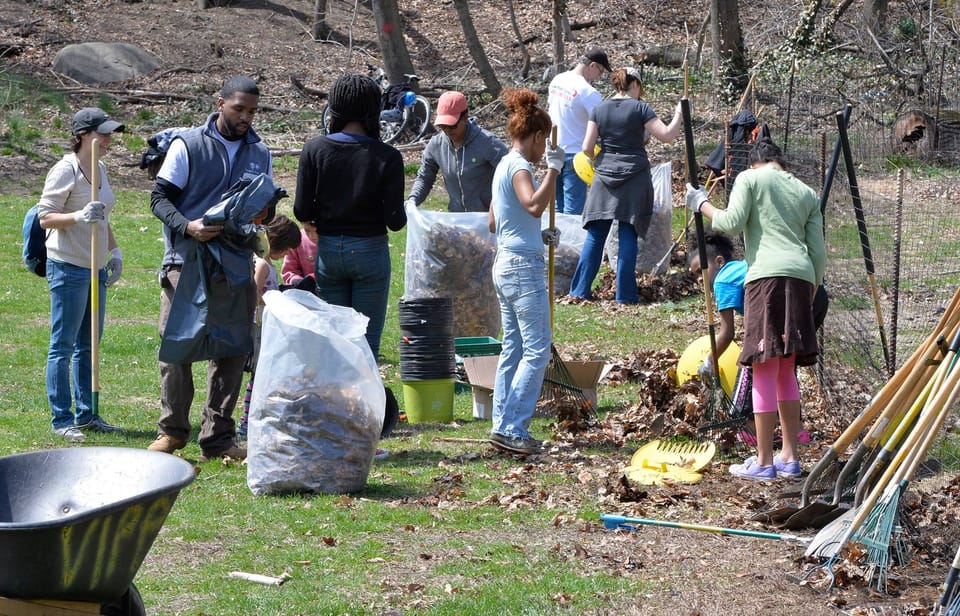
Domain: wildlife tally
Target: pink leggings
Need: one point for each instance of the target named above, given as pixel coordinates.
(774, 380)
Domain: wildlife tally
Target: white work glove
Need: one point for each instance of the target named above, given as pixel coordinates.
(695, 197)
(551, 237)
(409, 203)
(91, 212)
(555, 157)
(705, 371)
(114, 266)
(679, 109)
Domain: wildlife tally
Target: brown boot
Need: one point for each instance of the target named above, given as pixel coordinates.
(233, 452)
(167, 443)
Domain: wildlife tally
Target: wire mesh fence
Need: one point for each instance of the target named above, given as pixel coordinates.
(892, 236)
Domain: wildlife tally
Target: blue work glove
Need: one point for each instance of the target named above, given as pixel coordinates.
(551, 237)
(695, 198)
(91, 212)
(705, 371)
(554, 157)
(114, 266)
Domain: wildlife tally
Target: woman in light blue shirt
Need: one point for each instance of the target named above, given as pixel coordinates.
(518, 272)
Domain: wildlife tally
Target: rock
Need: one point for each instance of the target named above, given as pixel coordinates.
(99, 63)
(661, 55)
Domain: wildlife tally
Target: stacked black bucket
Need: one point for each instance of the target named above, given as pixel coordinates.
(426, 339)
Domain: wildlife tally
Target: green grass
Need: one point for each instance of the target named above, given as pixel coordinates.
(428, 535)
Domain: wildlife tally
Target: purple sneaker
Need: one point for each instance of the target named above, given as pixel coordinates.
(787, 470)
(750, 470)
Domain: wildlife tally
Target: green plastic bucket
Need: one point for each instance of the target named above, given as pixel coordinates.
(429, 401)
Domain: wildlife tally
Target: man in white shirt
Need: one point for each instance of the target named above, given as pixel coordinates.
(570, 100)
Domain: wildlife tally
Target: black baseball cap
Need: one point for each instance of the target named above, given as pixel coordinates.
(92, 118)
(598, 55)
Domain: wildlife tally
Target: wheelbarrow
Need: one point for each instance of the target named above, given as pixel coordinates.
(76, 524)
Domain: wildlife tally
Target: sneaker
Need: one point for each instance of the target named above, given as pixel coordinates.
(233, 452)
(71, 434)
(99, 424)
(787, 470)
(751, 470)
(381, 454)
(167, 444)
(515, 444)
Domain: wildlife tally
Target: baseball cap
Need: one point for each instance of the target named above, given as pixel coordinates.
(598, 55)
(92, 118)
(449, 108)
(632, 72)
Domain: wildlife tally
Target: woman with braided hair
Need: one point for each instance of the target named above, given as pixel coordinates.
(350, 187)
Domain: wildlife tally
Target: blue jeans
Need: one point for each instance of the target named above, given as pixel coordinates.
(525, 312)
(592, 255)
(571, 190)
(355, 272)
(70, 345)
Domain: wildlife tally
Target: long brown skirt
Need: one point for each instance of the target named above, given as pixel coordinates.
(778, 321)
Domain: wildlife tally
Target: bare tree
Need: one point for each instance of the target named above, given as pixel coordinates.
(203, 4)
(321, 30)
(731, 71)
(875, 15)
(476, 48)
(524, 54)
(559, 15)
(393, 49)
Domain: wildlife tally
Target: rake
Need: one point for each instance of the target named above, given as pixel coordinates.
(876, 513)
(559, 382)
(950, 598)
(715, 412)
(628, 523)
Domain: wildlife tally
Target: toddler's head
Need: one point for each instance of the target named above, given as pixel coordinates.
(283, 235)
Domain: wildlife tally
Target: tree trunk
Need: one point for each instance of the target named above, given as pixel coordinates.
(715, 41)
(476, 48)
(203, 4)
(559, 13)
(875, 15)
(320, 28)
(734, 71)
(524, 54)
(393, 49)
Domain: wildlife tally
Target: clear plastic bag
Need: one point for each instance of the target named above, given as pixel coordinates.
(318, 401)
(658, 240)
(451, 254)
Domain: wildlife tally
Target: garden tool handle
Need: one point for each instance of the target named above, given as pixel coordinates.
(94, 279)
(552, 206)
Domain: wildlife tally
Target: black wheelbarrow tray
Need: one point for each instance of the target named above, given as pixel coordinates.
(76, 523)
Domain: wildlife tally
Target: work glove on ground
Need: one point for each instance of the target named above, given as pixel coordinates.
(114, 266)
(91, 212)
(551, 237)
(554, 157)
(705, 371)
(695, 197)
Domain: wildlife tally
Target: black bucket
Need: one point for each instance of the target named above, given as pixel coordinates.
(427, 349)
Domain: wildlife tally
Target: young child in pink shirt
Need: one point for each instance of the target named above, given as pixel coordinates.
(299, 264)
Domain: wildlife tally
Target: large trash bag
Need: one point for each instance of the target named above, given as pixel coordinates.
(318, 402)
(451, 254)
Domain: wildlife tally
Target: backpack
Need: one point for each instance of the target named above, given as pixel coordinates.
(157, 145)
(34, 243)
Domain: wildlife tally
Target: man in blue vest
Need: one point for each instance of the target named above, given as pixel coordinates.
(201, 164)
